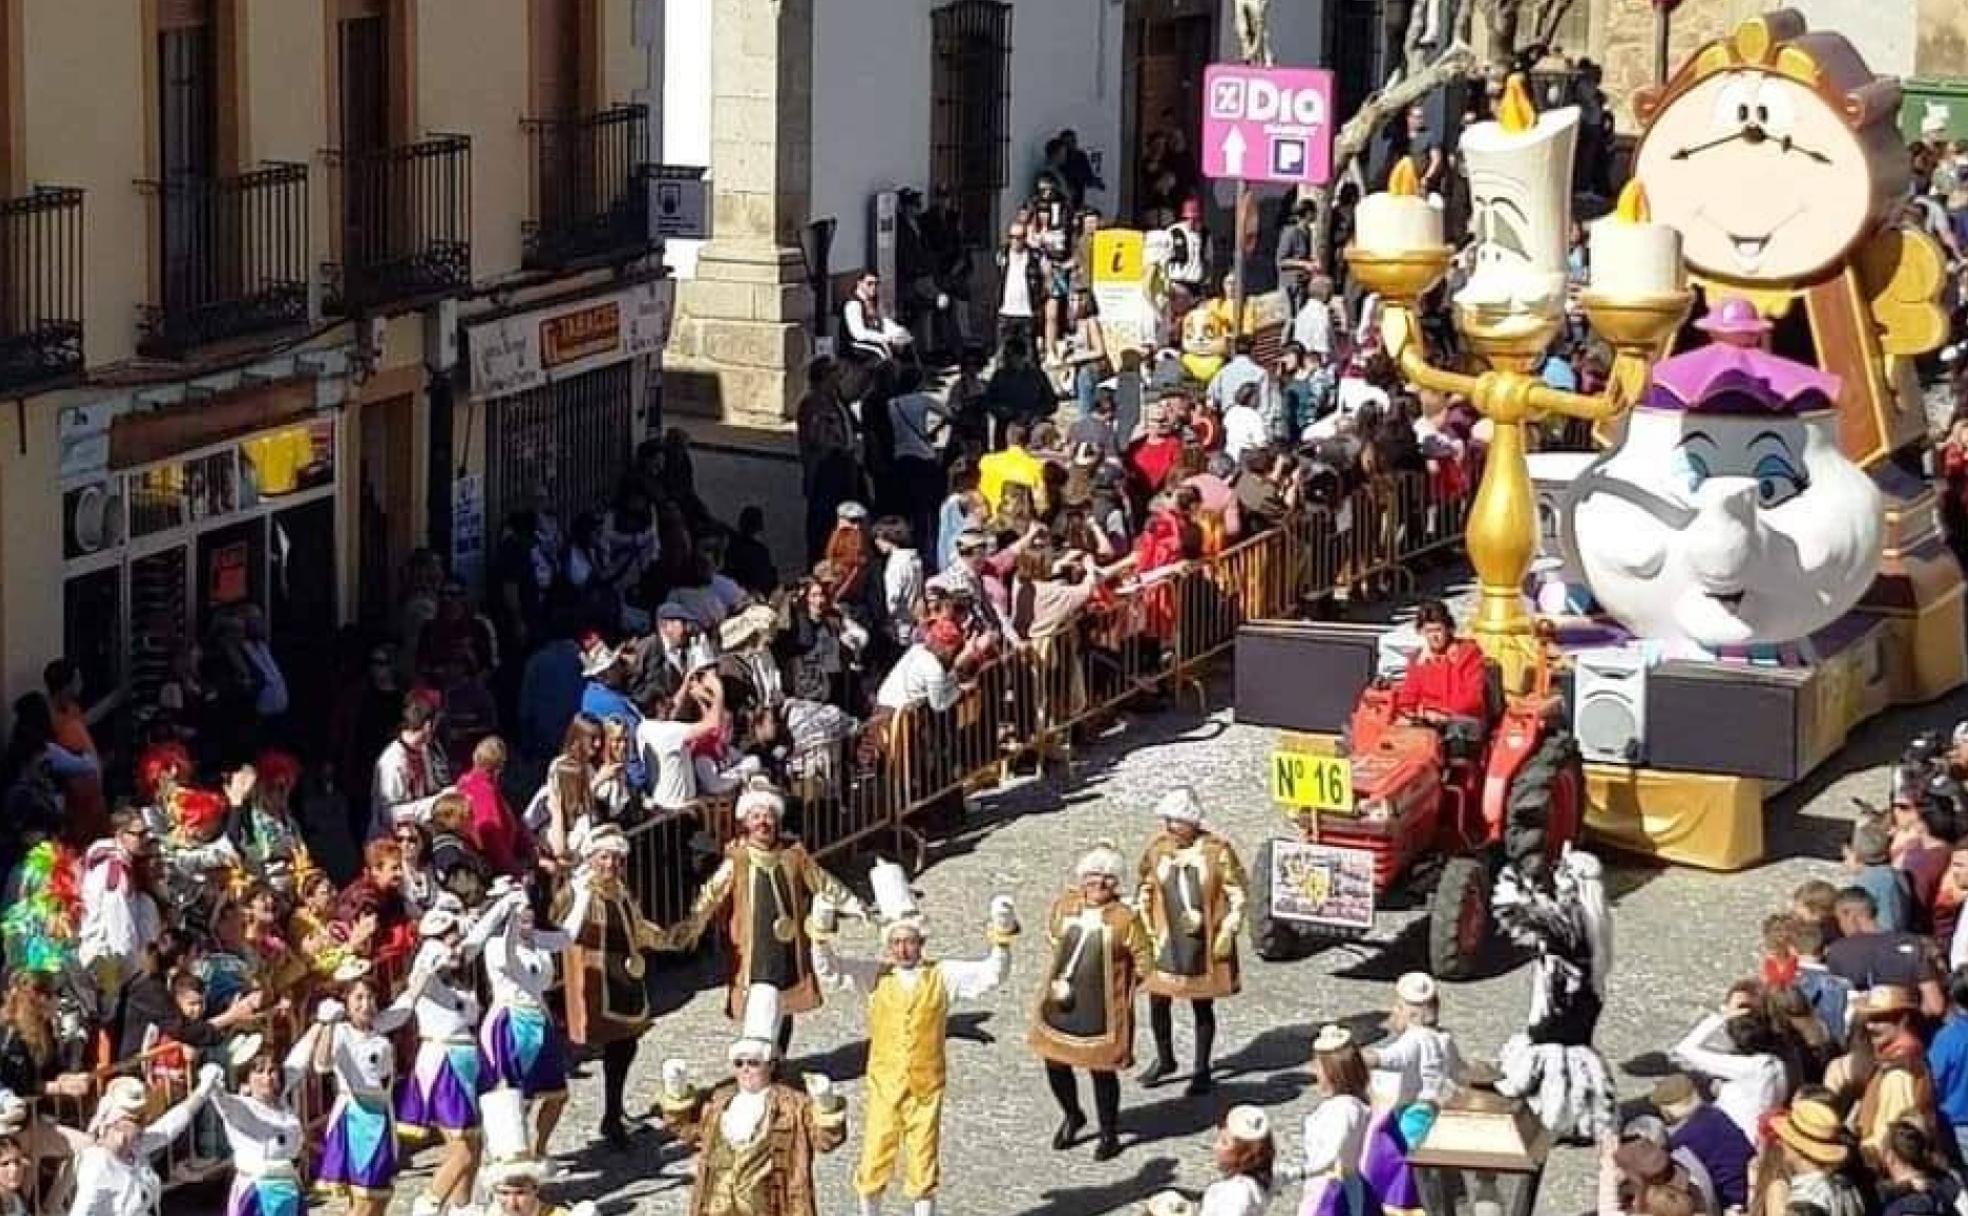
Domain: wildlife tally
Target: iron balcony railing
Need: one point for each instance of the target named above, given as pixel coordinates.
(232, 258)
(403, 217)
(40, 286)
(591, 177)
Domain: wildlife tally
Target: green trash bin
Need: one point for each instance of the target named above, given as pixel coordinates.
(1918, 95)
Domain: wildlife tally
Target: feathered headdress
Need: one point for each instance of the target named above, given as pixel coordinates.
(199, 811)
(158, 760)
(276, 767)
(39, 927)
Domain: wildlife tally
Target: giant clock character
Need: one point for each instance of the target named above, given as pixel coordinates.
(1775, 153)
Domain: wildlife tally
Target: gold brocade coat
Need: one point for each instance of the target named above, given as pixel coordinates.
(767, 895)
(1093, 1026)
(607, 986)
(1193, 900)
(772, 1178)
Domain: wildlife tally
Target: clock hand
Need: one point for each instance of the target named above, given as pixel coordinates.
(1687, 152)
(1790, 145)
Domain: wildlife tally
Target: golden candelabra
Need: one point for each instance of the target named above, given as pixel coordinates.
(1502, 533)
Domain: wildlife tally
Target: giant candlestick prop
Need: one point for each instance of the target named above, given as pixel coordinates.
(1508, 312)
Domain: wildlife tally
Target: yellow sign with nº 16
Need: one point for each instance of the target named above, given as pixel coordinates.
(1319, 783)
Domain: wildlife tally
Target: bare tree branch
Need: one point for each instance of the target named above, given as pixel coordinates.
(1551, 14)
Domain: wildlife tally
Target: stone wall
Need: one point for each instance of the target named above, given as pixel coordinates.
(1625, 37)
(1941, 50)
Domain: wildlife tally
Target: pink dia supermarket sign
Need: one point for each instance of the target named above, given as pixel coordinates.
(1267, 124)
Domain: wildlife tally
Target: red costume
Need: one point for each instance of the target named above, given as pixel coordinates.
(1150, 460)
(1454, 683)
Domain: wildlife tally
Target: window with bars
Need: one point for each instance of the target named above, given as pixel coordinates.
(970, 110)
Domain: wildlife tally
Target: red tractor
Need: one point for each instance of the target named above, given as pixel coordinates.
(1469, 794)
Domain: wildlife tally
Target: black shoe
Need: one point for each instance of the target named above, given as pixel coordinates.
(1199, 1085)
(1108, 1148)
(1069, 1131)
(1157, 1073)
(616, 1133)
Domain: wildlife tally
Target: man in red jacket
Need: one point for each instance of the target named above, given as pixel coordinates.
(1448, 678)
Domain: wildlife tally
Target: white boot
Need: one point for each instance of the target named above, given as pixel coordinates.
(926, 1206)
(871, 1204)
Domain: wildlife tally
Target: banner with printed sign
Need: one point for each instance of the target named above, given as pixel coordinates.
(1318, 884)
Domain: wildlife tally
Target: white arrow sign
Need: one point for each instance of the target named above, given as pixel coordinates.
(1233, 152)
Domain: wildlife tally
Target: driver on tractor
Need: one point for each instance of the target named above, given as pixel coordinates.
(1447, 678)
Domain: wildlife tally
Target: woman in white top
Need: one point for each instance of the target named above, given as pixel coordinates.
(902, 576)
(440, 1096)
(567, 792)
(612, 795)
(1737, 1048)
(1336, 1130)
(264, 1138)
(114, 1176)
(520, 1039)
(1246, 1154)
(358, 1151)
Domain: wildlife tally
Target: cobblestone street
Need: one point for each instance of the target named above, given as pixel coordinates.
(1681, 937)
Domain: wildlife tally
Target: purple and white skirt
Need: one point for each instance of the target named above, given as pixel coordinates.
(524, 1050)
(358, 1153)
(441, 1092)
(1331, 1195)
(1385, 1164)
(275, 1195)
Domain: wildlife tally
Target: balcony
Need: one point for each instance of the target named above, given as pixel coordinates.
(403, 218)
(232, 258)
(40, 287)
(591, 189)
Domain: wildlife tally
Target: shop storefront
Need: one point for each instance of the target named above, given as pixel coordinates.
(565, 393)
(173, 518)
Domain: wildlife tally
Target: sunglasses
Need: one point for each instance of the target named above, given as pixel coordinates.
(748, 1063)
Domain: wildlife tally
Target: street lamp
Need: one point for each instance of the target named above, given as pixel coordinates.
(1483, 1156)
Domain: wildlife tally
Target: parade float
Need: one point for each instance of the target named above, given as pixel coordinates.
(1756, 548)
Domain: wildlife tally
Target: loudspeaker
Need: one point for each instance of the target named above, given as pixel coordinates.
(1304, 675)
(1609, 705)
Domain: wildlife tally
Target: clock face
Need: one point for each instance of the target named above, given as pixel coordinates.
(1763, 176)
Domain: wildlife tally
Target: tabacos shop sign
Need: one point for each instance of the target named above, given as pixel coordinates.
(516, 353)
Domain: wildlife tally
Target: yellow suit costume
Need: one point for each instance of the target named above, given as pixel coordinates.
(908, 1011)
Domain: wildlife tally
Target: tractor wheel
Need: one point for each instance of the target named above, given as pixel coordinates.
(1275, 941)
(1545, 808)
(1459, 920)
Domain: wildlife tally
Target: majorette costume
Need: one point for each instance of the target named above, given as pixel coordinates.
(124, 1184)
(1335, 1143)
(441, 1092)
(1240, 1194)
(523, 1047)
(908, 1012)
(509, 1161)
(769, 893)
(358, 1150)
(1414, 1075)
(264, 1140)
(1552, 1063)
(1192, 898)
(755, 1147)
(1084, 1017)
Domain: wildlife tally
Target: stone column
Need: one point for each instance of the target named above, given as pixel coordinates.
(739, 347)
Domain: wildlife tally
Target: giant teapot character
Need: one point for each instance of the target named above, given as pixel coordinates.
(1727, 520)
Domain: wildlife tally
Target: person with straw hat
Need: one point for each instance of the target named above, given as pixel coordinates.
(1192, 897)
(756, 1137)
(764, 889)
(908, 1008)
(1901, 1087)
(1084, 1017)
(607, 986)
(113, 1175)
(1814, 1150)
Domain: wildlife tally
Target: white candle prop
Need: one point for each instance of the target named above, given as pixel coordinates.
(1398, 220)
(1520, 183)
(1632, 256)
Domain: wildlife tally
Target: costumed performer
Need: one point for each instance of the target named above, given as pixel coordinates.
(351, 1042)
(441, 1093)
(162, 771)
(1551, 1063)
(766, 883)
(608, 1006)
(756, 1138)
(514, 1173)
(264, 1136)
(524, 1047)
(1192, 898)
(114, 1176)
(1246, 1155)
(908, 1010)
(1336, 1130)
(1084, 1017)
(1414, 1076)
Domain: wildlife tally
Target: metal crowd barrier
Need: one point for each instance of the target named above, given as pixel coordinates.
(1155, 636)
